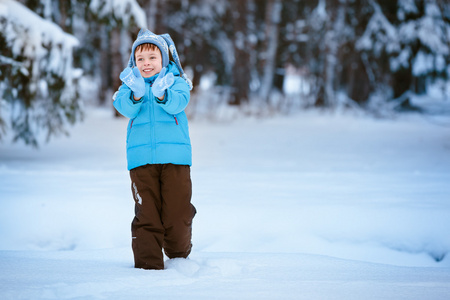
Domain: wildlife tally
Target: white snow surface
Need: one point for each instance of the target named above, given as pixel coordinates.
(310, 206)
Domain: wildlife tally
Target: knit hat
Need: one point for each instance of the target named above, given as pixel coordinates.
(176, 59)
(165, 43)
(145, 36)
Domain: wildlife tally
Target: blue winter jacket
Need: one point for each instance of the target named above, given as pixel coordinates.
(158, 132)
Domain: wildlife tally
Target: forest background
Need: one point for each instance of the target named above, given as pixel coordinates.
(257, 57)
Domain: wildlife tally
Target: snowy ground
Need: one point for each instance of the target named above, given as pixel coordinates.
(303, 207)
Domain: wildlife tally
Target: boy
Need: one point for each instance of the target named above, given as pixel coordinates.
(154, 94)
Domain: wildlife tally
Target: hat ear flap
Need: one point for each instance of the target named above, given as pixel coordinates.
(142, 31)
(175, 57)
(130, 61)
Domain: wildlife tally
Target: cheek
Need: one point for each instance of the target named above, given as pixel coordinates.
(157, 64)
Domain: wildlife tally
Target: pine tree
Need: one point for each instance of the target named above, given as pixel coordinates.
(38, 82)
(407, 46)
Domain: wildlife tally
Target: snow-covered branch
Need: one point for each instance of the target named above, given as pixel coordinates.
(124, 10)
(38, 78)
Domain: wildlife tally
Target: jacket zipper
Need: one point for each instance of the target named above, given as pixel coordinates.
(176, 121)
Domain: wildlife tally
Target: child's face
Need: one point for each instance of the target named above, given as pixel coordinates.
(148, 61)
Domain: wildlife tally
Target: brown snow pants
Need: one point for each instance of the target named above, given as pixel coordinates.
(163, 214)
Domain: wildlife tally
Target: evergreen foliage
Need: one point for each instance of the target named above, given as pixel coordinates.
(370, 54)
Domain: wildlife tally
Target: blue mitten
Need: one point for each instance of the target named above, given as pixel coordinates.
(134, 80)
(162, 83)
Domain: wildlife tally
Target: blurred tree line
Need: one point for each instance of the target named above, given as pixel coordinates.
(371, 54)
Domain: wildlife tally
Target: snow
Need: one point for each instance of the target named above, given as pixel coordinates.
(310, 206)
(29, 35)
(43, 52)
(380, 34)
(121, 10)
(429, 31)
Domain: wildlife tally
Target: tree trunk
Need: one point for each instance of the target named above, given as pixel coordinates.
(105, 65)
(273, 17)
(66, 12)
(117, 64)
(332, 42)
(155, 11)
(241, 70)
